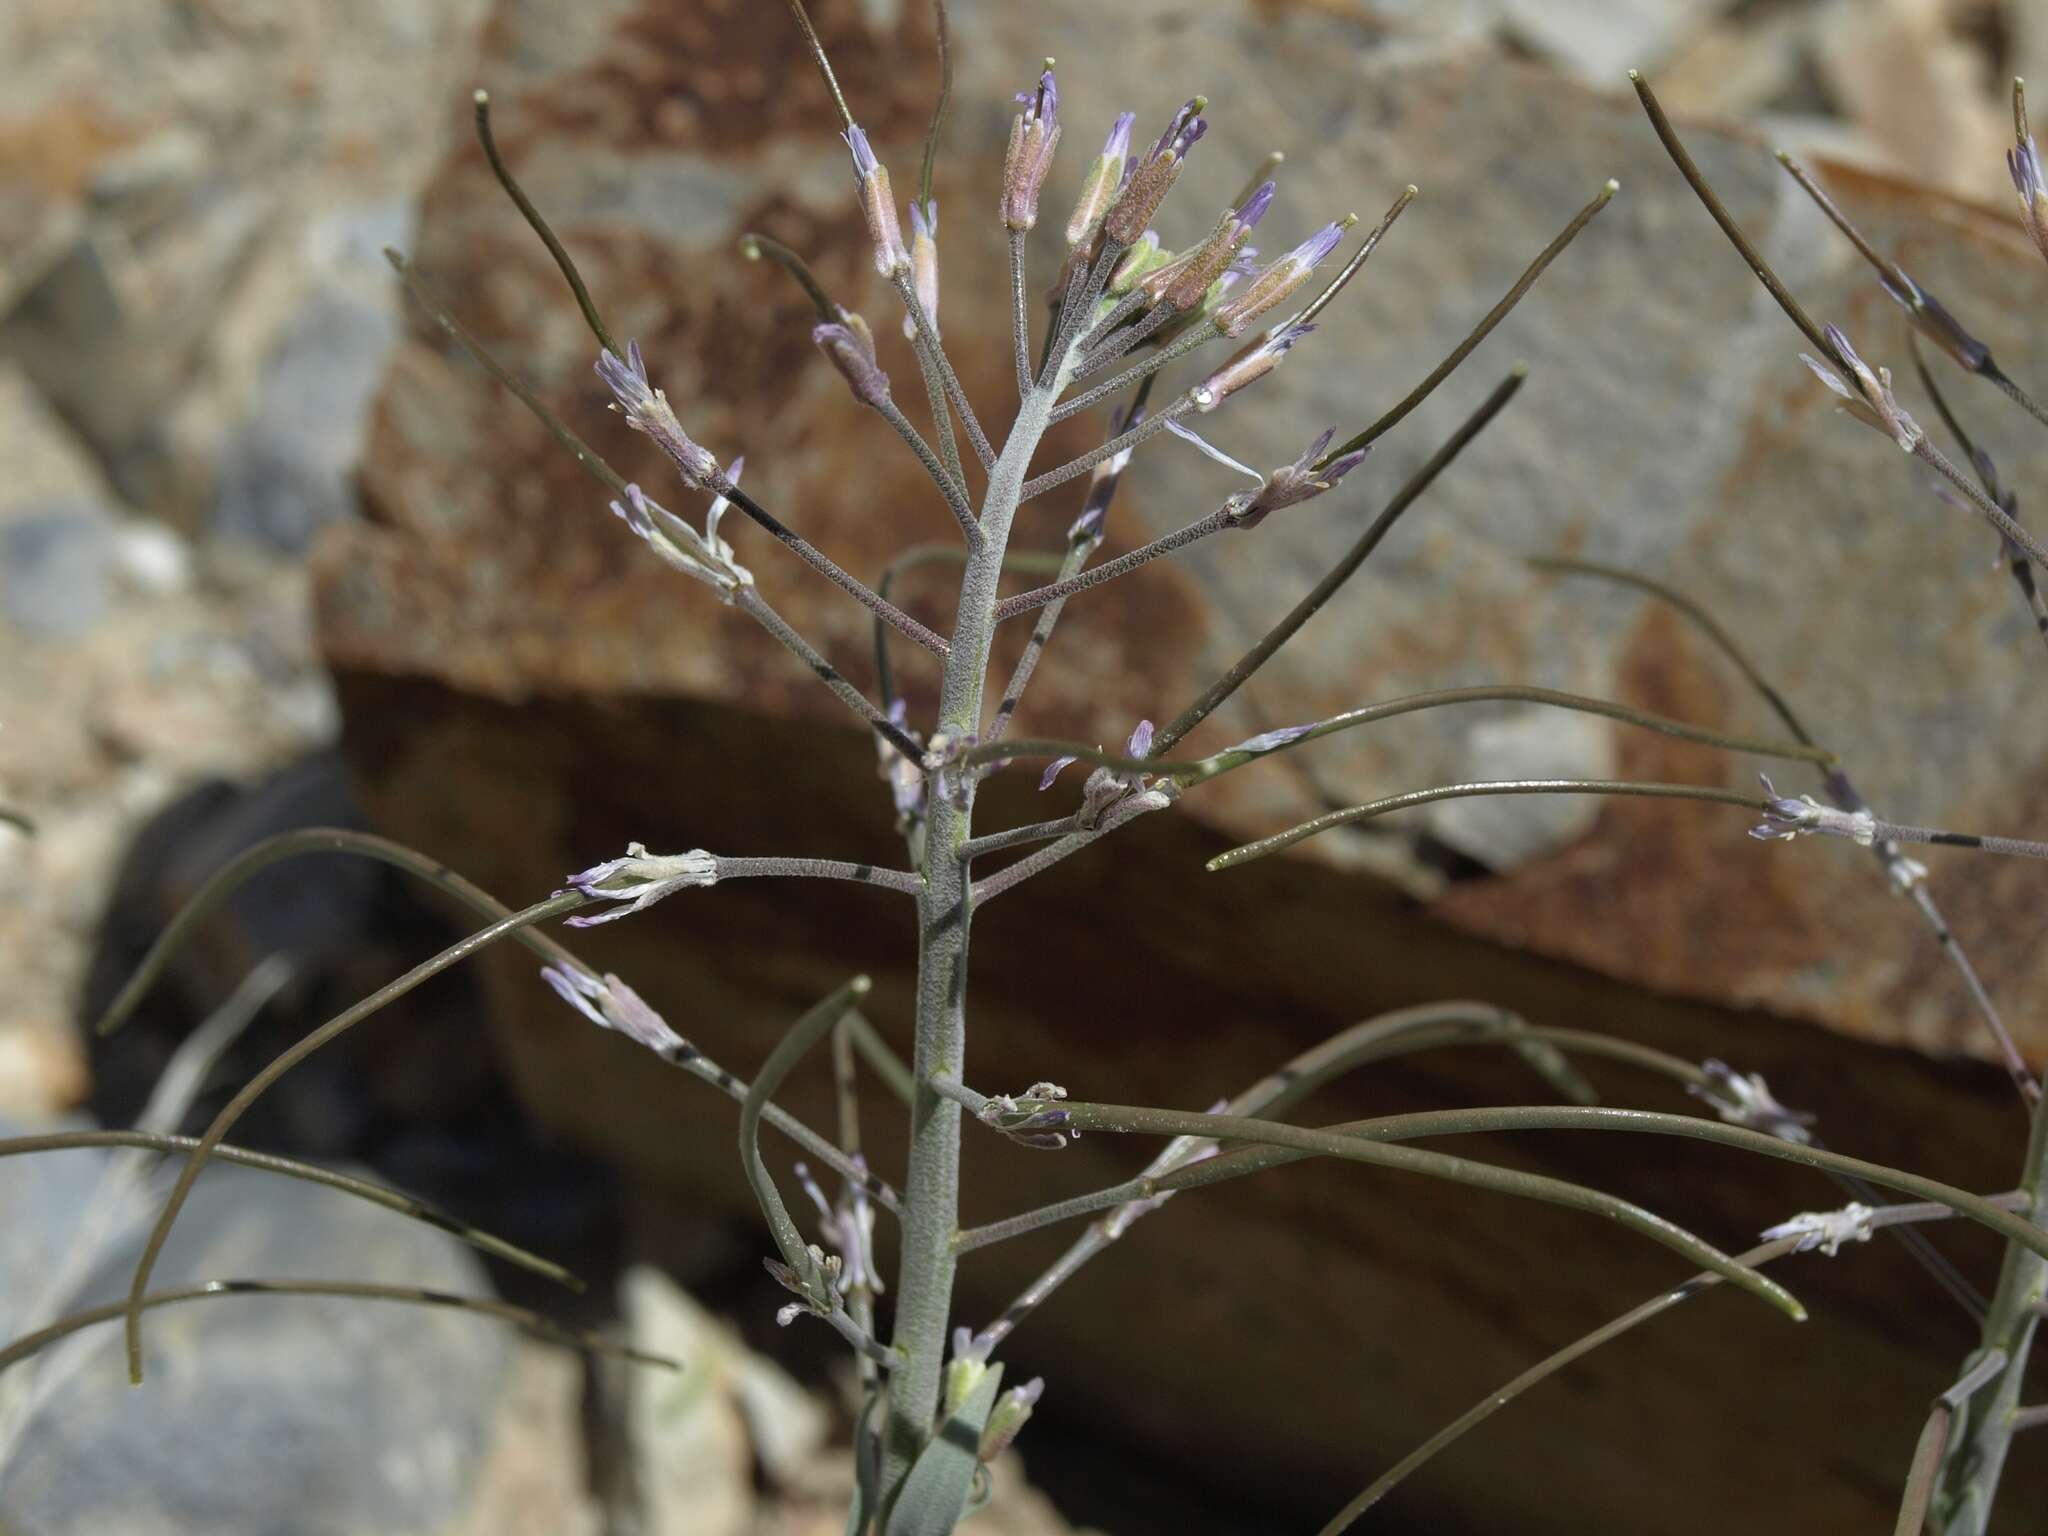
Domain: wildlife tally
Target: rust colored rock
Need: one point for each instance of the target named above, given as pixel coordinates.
(526, 689)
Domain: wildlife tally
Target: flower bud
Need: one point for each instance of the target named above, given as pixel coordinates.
(1034, 135)
(1248, 366)
(851, 347)
(1277, 282)
(1008, 1416)
(1294, 483)
(1870, 401)
(878, 203)
(2024, 161)
(1209, 260)
(1100, 186)
(924, 263)
(1145, 188)
(646, 409)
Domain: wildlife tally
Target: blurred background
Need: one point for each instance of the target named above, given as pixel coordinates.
(275, 554)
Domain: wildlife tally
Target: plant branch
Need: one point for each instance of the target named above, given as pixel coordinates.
(533, 1322)
(533, 217)
(1479, 332)
(554, 906)
(409, 1206)
(914, 306)
(1357, 813)
(1263, 651)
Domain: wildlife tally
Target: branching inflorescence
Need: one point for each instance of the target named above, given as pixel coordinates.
(1124, 309)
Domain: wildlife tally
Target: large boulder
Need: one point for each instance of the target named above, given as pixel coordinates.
(525, 690)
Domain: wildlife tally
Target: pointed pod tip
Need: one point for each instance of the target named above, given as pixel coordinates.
(1520, 370)
(1608, 188)
(1635, 76)
(859, 986)
(392, 255)
(1782, 156)
(1414, 190)
(480, 96)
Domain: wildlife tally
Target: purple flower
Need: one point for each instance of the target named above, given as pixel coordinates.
(1007, 1418)
(704, 556)
(1034, 135)
(1182, 130)
(640, 879)
(1099, 186)
(924, 263)
(1870, 401)
(1275, 284)
(1248, 366)
(1118, 144)
(1297, 482)
(1140, 744)
(1934, 322)
(851, 347)
(2024, 161)
(1152, 176)
(1185, 285)
(1268, 741)
(878, 205)
(1053, 770)
(611, 1004)
(1255, 206)
(646, 409)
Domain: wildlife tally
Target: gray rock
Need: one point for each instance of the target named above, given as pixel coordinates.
(56, 569)
(258, 1414)
(286, 474)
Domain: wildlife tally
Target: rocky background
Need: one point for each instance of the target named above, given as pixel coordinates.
(272, 553)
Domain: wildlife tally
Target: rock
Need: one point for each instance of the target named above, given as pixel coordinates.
(157, 226)
(696, 1436)
(531, 1481)
(42, 462)
(524, 692)
(56, 570)
(258, 1414)
(286, 472)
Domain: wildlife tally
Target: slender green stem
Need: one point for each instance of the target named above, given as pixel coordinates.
(1479, 332)
(756, 607)
(942, 415)
(1109, 570)
(1898, 1217)
(1900, 873)
(754, 245)
(1968, 1479)
(457, 332)
(929, 339)
(1122, 443)
(1571, 1117)
(1721, 216)
(540, 227)
(816, 50)
(225, 881)
(1272, 1143)
(1191, 772)
(941, 476)
(1020, 316)
(31, 1343)
(1246, 852)
(1350, 270)
(815, 1024)
(362, 1189)
(554, 906)
(1988, 509)
(1199, 336)
(1263, 651)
